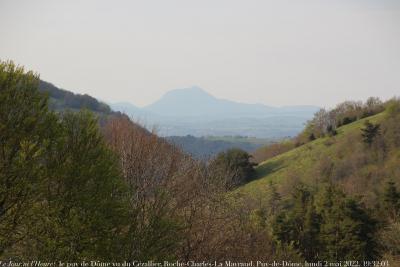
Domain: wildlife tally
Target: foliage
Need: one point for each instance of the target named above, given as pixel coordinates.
(73, 191)
(363, 198)
(347, 231)
(85, 198)
(392, 107)
(390, 238)
(391, 198)
(369, 132)
(236, 163)
(326, 225)
(325, 122)
(298, 223)
(61, 193)
(78, 193)
(25, 138)
(150, 167)
(61, 99)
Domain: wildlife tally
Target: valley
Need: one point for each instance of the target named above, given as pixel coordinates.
(179, 133)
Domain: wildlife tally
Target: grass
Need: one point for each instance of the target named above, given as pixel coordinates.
(300, 162)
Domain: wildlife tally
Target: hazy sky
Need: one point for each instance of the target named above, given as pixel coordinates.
(273, 52)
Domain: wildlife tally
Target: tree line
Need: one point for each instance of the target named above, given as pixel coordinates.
(61, 99)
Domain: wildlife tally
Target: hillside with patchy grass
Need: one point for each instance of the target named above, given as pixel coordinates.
(335, 194)
(301, 162)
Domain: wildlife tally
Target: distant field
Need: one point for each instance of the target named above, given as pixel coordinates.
(242, 139)
(207, 147)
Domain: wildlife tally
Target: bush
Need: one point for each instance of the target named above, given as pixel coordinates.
(234, 166)
(392, 107)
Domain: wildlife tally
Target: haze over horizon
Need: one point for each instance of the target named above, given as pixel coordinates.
(188, 92)
(277, 53)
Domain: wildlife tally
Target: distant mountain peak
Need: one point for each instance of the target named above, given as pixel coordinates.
(196, 102)
(188, 92)
(196, 88)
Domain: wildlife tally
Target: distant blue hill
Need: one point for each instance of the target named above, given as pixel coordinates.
(196, 102)
(126, 107)
(193, 111)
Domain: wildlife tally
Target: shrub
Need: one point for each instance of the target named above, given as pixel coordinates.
(234, 165)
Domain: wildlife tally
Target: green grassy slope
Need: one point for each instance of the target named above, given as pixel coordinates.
(300, 162)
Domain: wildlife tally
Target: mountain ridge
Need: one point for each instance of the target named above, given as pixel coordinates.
(220, 117)
(195, 101)
(193, 111)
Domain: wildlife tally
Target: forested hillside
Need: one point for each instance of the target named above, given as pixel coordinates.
(72, 191)
(335, 190)
(61, 99)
